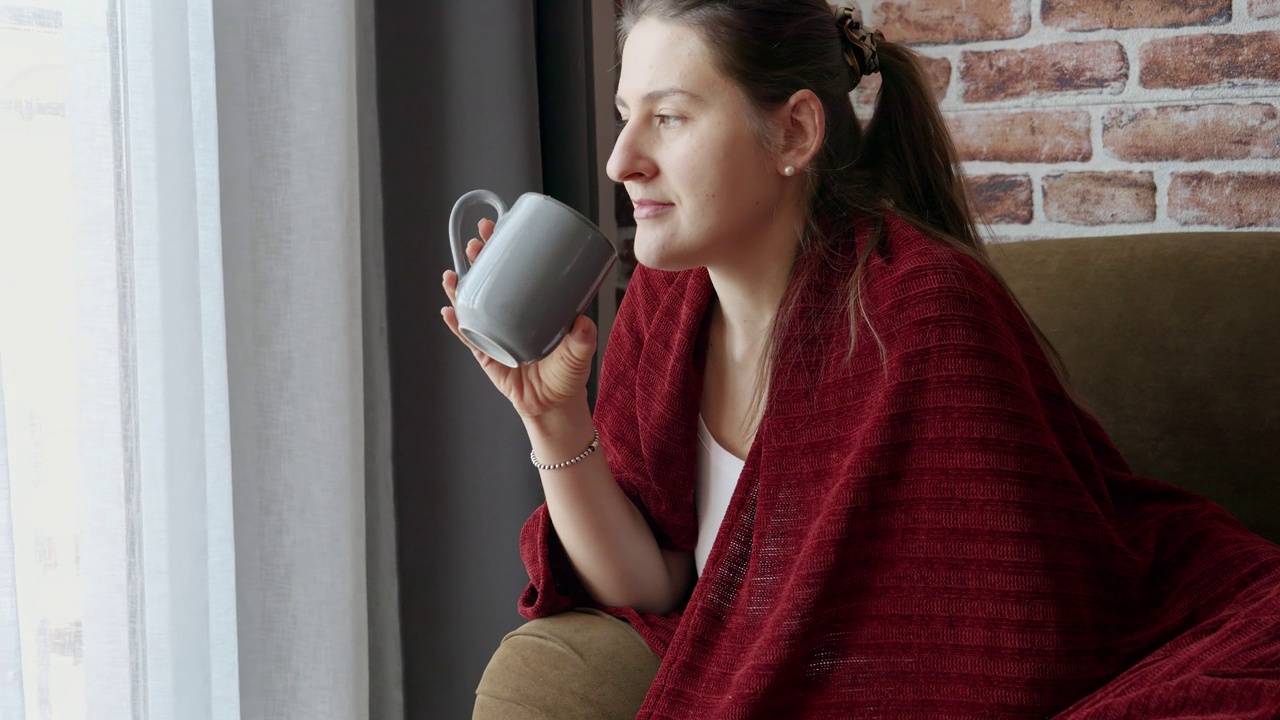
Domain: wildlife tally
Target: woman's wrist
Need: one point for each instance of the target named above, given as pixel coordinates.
(563, 432)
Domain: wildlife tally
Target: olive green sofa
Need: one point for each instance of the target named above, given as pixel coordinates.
(1174, 342)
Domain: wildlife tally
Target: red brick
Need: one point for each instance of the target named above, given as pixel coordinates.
(951, 21)
(1100, 198)
(938, 70)
(1100, 14)
(1232, 200)
(1264, 8)
(1048, 69)
(1193, 132)
(1196, 60)
(1038, 136)
(1002, 198)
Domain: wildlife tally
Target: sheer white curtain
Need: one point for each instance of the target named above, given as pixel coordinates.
(194, 488)
(114, 366)
(306, 334)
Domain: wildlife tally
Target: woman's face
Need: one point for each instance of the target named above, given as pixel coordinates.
(702, 182)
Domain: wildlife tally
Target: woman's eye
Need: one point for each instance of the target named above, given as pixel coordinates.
(662, 121)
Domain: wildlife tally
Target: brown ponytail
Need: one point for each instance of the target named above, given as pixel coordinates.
(908, 148)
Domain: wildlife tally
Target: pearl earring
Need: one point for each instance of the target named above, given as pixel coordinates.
(789, 170)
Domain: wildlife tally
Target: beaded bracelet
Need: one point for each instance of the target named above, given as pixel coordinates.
(595, 445)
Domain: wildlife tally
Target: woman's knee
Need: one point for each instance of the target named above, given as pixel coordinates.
(578, 664)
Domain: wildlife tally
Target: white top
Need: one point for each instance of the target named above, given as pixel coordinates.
(718, 471)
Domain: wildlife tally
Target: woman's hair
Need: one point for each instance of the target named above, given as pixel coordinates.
(904, 161)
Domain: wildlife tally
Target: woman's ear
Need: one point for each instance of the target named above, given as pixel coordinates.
(803, 125)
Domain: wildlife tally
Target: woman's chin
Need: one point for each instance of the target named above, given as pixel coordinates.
(659, 253)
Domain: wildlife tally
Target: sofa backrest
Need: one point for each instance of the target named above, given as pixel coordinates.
(1174, 342)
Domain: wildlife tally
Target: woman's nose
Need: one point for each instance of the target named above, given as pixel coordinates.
(628, 159)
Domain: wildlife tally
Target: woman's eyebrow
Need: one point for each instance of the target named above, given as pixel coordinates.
(656, 95)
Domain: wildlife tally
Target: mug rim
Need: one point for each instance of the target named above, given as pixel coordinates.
(576, 214)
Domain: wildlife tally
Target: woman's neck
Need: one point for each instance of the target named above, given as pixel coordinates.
(748, 293)
(749, 289)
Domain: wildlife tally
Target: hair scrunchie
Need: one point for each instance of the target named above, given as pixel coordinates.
(859, 42)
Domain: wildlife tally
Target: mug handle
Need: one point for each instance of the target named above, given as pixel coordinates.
(456, 243)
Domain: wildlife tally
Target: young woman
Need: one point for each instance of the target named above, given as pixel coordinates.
(840, 472)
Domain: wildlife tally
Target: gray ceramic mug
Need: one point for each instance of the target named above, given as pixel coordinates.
(537, 273)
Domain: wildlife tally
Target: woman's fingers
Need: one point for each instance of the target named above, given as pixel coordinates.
(475, 245)
(450, 284)
(451, 320)
(449, 281)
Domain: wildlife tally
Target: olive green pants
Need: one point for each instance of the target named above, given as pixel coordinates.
(579, 665)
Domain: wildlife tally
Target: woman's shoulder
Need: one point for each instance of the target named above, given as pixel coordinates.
(921, 283)
(911, 261)
(909, 249)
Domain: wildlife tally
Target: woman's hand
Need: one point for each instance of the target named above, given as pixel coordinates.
(538, 387)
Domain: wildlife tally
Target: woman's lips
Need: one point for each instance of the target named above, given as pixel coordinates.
(646, 209)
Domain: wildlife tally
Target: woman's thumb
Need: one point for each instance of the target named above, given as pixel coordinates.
(581, 341)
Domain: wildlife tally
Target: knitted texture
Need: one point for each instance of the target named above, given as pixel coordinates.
(930, 528)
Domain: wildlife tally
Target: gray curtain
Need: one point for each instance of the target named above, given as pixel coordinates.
(307, 363)
(458, 107)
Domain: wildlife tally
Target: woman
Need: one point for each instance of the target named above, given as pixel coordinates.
(842, 475)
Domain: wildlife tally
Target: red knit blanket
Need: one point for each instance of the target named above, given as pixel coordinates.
(935, 532)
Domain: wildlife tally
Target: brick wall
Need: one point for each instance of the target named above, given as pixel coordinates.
(1084, 117)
